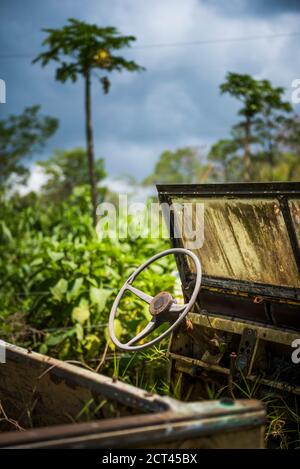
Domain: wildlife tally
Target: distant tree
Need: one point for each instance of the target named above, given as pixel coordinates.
(22, 136)
(77, 49)
(286, 168)
(227, 161)
(262, 110)
(66, 170)
(283, 162)
(180, 166)
(288, 137)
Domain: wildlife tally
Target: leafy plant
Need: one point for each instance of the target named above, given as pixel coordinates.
(22, 136)
(60, 279)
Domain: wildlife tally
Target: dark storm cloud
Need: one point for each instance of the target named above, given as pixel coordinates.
(176, 102)
(262, 8)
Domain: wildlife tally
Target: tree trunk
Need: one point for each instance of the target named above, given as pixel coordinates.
(90, 145)
(247, 157)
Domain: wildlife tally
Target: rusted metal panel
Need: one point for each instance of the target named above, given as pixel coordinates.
(245, 240)
(251, 285)
(53, 392)
(263, 354)
(251, 236)
(38, 390)
(271, 334)
(183, 422)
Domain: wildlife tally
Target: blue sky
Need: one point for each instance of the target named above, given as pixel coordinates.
(176, 102)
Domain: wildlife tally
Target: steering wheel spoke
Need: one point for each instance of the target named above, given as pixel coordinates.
(177, 308)
(151, 326)
(139, 293)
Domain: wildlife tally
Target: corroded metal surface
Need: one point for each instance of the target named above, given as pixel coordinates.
(234, 326)
(245, 240)
(203, 352)
(38, 390)
(251, 236)
(249, 303)
(54, 392)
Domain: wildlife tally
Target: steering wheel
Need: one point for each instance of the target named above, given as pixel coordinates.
(162, 307)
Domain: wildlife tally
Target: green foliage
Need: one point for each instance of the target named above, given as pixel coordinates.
(66, 170)
(285, 168)
(280, 163)
(228, 162)
(263, 146)
(58, 280)
(79, 47)
(20, 136)
(257, 96)
(181, 166)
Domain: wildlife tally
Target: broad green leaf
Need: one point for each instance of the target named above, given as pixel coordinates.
(118, 327)
(92, 343)
(157, 269)
(69, 264)
(79, 331)
(74, 292)
(55, 256)
(59, 289)
(78, 191)
(37, 261)
(145, 311)
(6, 231)
(57, 338)
(43, 349)
(99, 297)
(81, 313)
(112, 272)
(92, 281)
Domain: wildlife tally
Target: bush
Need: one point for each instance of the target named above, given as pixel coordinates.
(58, 280)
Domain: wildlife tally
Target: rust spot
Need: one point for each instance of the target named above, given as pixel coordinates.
(189, 324)
(258, 299)
(276, 209)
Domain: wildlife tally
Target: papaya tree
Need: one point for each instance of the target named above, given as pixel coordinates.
(78, 49)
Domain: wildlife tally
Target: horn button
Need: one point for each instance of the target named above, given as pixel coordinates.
(161, 303)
